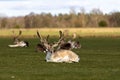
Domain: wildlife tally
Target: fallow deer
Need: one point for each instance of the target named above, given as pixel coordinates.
(57, 55)
(70, 44)
(17, 42)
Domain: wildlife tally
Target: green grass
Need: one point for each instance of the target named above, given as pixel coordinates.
(99, 61)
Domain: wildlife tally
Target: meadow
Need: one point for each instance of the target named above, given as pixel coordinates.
(83, 32)
(99, 60)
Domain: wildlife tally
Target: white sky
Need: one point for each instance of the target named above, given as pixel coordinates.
(24, 7)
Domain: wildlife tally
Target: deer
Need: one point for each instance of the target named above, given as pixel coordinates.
(17, 42)
(70, 44)
(55, 54)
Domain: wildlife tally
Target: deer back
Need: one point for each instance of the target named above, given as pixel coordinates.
(64, 56)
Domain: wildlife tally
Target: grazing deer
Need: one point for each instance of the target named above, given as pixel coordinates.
(58, 55)
(17, 42)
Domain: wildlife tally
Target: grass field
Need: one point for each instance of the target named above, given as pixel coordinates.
(99, 61)
(107, 32)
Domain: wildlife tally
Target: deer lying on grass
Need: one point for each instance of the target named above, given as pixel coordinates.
(17, 42)
(70, 44)
(55, 53)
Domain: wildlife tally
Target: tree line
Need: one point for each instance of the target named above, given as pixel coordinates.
(95, 18)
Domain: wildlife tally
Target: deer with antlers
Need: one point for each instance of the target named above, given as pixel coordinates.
(68, 45)
(17, 42)
(56, 52)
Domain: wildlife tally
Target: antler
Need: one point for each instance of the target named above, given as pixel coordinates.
(20, 32)
(61, 34)
(15, 38)
(61, 40)
(44, 41)
(41, 40)
(39, 35)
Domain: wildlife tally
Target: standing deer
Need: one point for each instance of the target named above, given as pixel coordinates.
(17, 42)
(59, 54)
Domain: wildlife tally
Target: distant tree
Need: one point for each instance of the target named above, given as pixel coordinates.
(83, 18)
(114, 19)
(73, 18)
(27, 22)
(96, 11)
(95, 16)
(72, 10)
(17, 26)
(3, 22)
(102, 23)
(60, 20)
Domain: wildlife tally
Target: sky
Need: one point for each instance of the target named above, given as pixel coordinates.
(24, 7)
